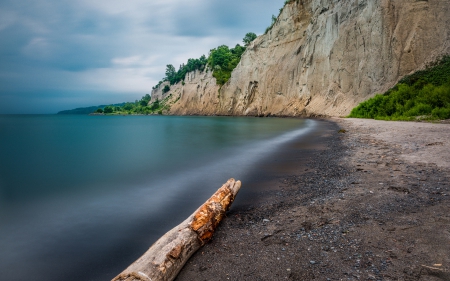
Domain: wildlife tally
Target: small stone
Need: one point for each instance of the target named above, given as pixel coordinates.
(312, 262)
(266, 235)
(266, 220)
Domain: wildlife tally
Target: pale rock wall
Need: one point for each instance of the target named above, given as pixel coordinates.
(323, 57)
(199, 95)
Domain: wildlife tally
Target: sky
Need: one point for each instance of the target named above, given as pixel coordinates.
(61, 54)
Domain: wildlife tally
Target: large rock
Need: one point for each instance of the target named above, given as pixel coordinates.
(323, 58)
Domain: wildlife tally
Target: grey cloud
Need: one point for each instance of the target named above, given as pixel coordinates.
(226, 17)
(43, 41)
(210, 18)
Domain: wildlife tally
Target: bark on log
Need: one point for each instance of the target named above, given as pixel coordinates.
(167, 256)
(435, 271)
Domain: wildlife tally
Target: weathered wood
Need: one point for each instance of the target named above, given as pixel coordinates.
(435, 271)
(167, 256)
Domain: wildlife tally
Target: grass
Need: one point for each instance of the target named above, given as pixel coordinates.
(423, 95)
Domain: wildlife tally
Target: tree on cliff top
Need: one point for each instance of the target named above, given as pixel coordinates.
(223, 60)
(174, 76)
(249, 37)
(170, 72)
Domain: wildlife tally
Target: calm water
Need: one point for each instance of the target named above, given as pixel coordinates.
(81, 197)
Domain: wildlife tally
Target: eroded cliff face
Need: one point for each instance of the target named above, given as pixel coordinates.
(322, 57)
(197, 94)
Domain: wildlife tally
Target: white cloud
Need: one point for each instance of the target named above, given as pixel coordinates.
(136, 61)
(123, 80)
(126, 61)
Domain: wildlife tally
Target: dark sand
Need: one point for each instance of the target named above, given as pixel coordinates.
(370, 203)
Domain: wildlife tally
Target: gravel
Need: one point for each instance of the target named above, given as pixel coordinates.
(357, 208)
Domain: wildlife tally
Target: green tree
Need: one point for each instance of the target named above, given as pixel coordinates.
(223, 60)
(220, 56)
(155, 105)
(144, 100)
(170, 73)
(99, 110)
(128, 106)
(108, 109)
(249, 37)
(166, 89)
(176, 76)
(147, 97)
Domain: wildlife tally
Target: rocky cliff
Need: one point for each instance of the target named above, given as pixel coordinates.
(322, 57)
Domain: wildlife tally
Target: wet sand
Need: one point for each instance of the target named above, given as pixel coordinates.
(366, 200)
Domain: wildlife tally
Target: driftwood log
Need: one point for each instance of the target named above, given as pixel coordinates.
(165, 258)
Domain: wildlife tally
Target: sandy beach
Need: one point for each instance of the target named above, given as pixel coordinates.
(371, 201)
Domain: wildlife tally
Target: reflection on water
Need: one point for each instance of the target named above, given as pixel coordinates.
(81, 197)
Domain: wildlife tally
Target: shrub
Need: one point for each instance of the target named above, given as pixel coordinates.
(441, 113)
(274, 20)
(166, 89)
(155, 105)
(108, 109)
(128, 106)
(424, 93)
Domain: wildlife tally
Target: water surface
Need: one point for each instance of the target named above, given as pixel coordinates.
(81, 197)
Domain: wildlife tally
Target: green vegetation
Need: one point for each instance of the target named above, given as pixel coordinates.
(87, 110)
(249, 37)
(166, 89)
(223, 60)
(423, 95)
(173, 77)
(108, 109)
(275, 18)
(137, 107)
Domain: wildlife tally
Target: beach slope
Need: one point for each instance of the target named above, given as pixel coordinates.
(371, 202)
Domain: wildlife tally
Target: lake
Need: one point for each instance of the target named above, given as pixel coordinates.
(82, 197)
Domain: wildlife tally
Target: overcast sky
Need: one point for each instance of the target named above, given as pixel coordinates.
(60, 54)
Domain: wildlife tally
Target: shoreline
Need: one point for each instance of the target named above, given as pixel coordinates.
(372, 203)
